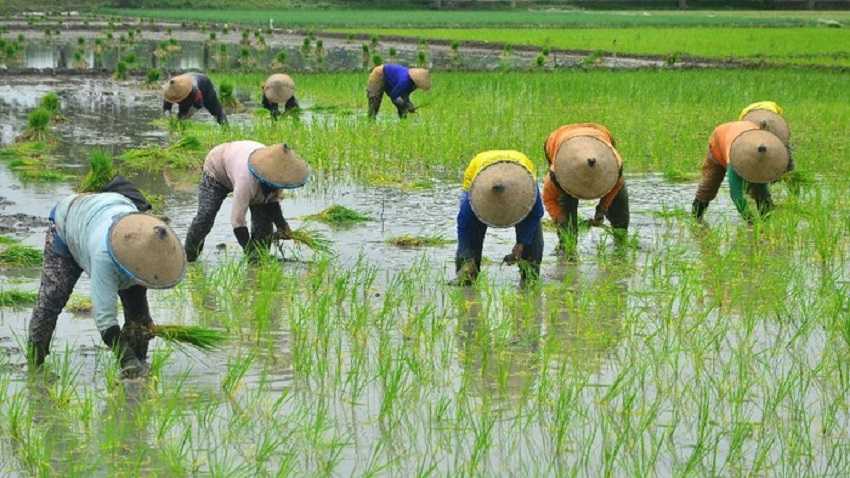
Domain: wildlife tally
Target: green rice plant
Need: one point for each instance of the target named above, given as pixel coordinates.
(179, 155)
(5, 240)
(79, 304)
(51, 103)
(228, 99)
(19, 255)
(153, 76)
(412, 241)
(201, 338)
(120, 71)
(337, 215)
(313, 239)
(17, 298)
(101, 172)
(38, 122)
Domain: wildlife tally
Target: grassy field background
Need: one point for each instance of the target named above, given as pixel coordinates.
(314, 18)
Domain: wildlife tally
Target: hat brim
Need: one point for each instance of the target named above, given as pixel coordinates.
(511, 205)
(161, 274)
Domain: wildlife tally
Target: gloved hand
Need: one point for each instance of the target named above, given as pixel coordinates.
(284, 234)
(598, 218)
(515, 255)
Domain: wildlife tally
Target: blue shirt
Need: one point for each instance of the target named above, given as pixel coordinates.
(83, 222)
(526, 229)
(397, 81)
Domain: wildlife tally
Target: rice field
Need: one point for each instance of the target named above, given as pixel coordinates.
(716, 349)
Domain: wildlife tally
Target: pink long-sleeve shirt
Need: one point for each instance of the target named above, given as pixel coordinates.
(228, 164)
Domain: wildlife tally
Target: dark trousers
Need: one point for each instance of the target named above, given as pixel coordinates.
(617, 215)
(375, 105)
(713, 174)
(59, 275)
(472, 245)
(210, 196)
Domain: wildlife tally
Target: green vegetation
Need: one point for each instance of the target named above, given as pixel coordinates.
(4, 241)
(201, 338)
(821, 46)
(183, 153)
(312, 239)
(478, 18)
(100, 172)
(79, 304)
(38, 126)
(411, 241)
(19, 255)
(32, 161)
(17, 298)
(337, 215)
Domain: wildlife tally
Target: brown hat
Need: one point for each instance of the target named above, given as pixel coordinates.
(375, 83)
(178, 88)
(586, 167)
(278, 166)
(147, 250)
(770, 121)
(421, 78)
(502, 194)
(279, 88)
(759, 156)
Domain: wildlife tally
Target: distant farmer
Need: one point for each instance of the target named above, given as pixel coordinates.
(255, 174)
(756, 156)
(279, 89)
(124, 252)
(192, 91)
(584, 164)
(499, 190)
(398, 82)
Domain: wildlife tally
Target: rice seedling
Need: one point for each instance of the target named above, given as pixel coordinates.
(412, 241)
(201, 338)
(337, 215)
(182, 153)
(228, 99)
(101, 172)
(5, 240)
(38, 123)
(312, 239)
(17, 298)
(79, 304)
(51, 103)
(19, 255)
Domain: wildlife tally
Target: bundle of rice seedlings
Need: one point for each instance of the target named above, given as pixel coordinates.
(151, 157)
(228, 99)
(38, 121)
(79, 304)
(337, 215)
(17, 298)
(201, 338)
(19, 255)
(51, 103)
(313, 239)
(100, 172)
(409, 240)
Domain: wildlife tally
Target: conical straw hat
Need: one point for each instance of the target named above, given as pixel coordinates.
(178, 88)
(279, 88)
(770, 121)
(759, 156)
(586, 167)
(502, 194)
(278, 166)
(148, 250)
(421, 78)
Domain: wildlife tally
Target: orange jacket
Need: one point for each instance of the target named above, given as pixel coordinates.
(551, 191)
(722, 137)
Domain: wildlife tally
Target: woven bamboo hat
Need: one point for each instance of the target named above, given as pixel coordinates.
(502, 194)
(148, 250)
(279, 88)
(178, 88)
(421, 78)
(278, 166)
(759, 156)
(770, 121)
(586, 167)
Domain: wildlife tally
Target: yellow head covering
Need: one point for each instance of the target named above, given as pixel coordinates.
(482, 160)
(761, 105)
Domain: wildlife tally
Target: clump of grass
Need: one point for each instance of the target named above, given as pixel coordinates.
(409, 241)
(337, 215)
(120, 71)
(17, 298)
(38, 121)
(153, 76)
(101, 171)
(201, 338)
(228, 99)
(19, 255)
(51, 103)
(156, 158)
(5, 240)
(315, 240)
(30, 160)
(79, 304)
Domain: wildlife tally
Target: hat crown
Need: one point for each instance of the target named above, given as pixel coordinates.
(148, 250)
(502, 194)
(758, 156)
(586, 167)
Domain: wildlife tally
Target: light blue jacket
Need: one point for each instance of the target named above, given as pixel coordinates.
(83, 222)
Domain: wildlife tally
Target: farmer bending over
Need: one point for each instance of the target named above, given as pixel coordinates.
(192, 91)
(499, 190)
(279, 89)
(398, 82)
(124, 252)
(584, 164)
(757, 157)
(255, 174)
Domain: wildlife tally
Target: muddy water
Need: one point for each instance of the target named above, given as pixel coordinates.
(116, 115)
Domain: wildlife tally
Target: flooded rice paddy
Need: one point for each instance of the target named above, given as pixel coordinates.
(636, 363)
